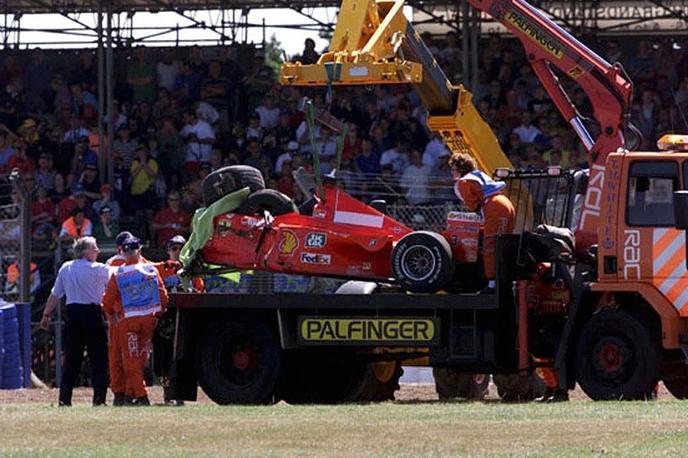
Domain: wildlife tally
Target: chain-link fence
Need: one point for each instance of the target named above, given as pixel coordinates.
(10, 245)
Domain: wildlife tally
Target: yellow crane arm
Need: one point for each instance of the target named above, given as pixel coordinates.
(374, 43)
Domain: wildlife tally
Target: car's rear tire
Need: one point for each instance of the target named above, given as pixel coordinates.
(268, 200)
(617, 357)
(229, 179)
(422, 262)
(239, 362)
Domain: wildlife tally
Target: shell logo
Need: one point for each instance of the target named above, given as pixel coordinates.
(289, 243)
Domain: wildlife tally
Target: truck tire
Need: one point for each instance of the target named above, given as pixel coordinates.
(452, 384)
(518, 388)
(422, 262)
(319, 379)
(378, 383)
(239, 362)
(268, 199)
(675, 377)
(617, 358)
(229, 179)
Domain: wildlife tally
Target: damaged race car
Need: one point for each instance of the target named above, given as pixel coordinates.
(332, 234)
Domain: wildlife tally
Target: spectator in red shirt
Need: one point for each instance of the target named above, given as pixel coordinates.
(77, 199)
(42, 215)
(171, 220)
(20, 160)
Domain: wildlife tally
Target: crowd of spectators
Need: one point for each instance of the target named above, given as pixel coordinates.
(182, 113)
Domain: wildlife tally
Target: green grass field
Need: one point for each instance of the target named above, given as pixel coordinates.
(389, 429)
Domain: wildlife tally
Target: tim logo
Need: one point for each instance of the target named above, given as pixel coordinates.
(316, 240)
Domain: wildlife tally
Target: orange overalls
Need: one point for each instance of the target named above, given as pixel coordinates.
(478, 190)
(133, 295)
(115, 364)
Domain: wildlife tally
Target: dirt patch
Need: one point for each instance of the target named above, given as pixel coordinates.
(408, 392)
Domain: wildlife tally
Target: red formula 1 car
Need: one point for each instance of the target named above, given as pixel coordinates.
(335, 236)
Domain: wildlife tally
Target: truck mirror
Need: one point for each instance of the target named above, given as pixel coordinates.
(681, 209)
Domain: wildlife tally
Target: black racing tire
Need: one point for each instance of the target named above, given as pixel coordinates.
(268, 199)
(518, 388)
(617, 358)
(452, 384)
(239, 362)
(422, 262)
(229, 179)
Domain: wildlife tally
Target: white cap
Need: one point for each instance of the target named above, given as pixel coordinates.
(293, 146)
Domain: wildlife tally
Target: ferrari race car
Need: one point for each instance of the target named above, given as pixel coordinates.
(334, 235)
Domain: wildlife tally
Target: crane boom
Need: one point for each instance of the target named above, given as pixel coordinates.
(609, 90)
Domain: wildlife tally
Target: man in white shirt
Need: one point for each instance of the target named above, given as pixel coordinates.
(526, 131)
(167, 70)
(397, 157)
(268, 113)
(199, 138)
(416, 181)
(83, 281)
(433, 150)
(327, 145)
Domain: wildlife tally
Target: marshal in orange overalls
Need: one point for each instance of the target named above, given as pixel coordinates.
(478, 190)
(134, 295)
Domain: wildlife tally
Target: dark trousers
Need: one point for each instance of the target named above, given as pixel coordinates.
(84, 329)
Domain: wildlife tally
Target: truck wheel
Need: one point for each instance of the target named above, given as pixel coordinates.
(675, 376)
(268, 199)
(229, 179)
(617, 357)
(451, 384)
(422, 262)
(239, 363)
(378, 383)
(518, 388)
(317, 379)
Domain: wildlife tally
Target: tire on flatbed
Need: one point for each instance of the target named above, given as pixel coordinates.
(617, 357)
(269, 200)
(228, 179)
(453, 384)
(239, 362)
(422, 262)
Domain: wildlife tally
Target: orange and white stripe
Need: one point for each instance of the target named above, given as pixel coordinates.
(669, 265)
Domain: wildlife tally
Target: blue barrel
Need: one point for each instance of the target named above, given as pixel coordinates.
(12, 370)
(2, 341)
(24, 317)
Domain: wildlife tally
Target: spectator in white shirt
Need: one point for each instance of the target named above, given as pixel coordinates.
(167, 70)
(268, 113)
(199, 138)
(397, 157)
(326, 145)
(416, 181)
(527, 131)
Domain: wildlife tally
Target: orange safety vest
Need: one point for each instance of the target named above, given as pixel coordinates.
(72, 229)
